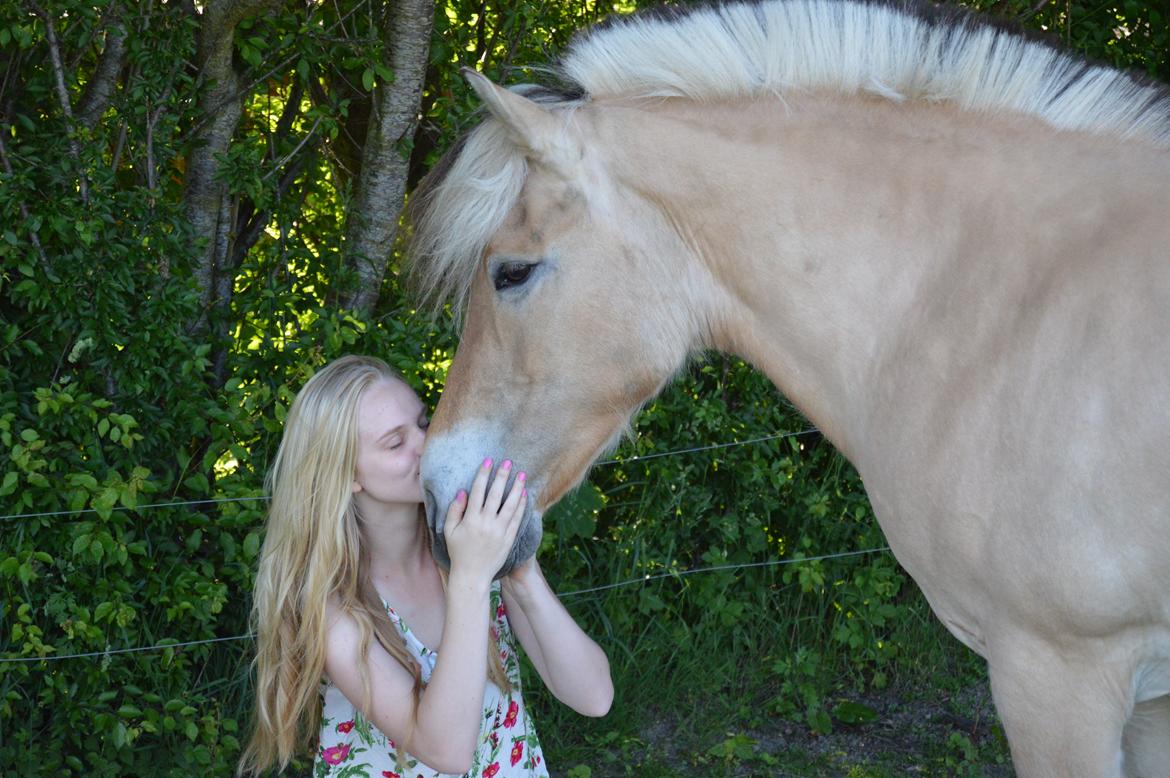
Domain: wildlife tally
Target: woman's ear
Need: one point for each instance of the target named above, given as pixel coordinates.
(357, 487)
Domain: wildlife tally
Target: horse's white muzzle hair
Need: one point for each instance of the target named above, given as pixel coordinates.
(450, 463)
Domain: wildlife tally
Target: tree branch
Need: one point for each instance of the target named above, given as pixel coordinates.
(32, 235)
(221, 105)
(63, 96)
(373, 216)
(100, 88)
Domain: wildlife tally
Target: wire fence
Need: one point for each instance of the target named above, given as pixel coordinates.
(263, 498)
(577, 592)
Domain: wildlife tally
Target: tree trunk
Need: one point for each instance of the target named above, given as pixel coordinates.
(101, 85)
(373, 216)
(220, 105)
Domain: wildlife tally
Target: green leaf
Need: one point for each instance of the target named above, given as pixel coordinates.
(119, 735)
(191, 730)
(251, 545)
(368, 79)
(80, 543)
(104, 502)
(854, 713)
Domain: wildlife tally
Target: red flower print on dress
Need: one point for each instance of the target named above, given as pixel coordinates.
(510, 719)
(345, 726)
(495, 739)
(491, 770)
(335, 754)
(388, 774)
(517, 752)
(500, 611)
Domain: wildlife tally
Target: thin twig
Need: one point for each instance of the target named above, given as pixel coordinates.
(294, 152)
(32, 233)
(63, 97)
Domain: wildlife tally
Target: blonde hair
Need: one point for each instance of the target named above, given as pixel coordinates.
(313, 551)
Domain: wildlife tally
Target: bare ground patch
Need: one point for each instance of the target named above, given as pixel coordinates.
(909, 734)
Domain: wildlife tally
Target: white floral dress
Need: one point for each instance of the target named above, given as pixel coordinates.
(350, 746)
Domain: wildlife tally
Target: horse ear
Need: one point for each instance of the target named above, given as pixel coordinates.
(535, 129)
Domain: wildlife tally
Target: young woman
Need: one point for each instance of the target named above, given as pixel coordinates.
(417, 668)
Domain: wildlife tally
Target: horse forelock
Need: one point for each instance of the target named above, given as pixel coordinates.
(465, 198)
(457, 208)
(896, 49)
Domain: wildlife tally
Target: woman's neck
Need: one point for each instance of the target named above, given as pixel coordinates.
(395, 538)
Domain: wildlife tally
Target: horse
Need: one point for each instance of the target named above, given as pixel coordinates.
(947, 243)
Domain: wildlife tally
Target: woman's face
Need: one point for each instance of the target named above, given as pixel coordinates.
(392, 426)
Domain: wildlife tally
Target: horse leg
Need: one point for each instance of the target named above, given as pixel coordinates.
(1147, 740)
(1063, 717)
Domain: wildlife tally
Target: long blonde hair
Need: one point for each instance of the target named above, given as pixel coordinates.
(313, 551)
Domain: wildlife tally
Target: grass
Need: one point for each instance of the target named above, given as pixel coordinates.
(721, 701)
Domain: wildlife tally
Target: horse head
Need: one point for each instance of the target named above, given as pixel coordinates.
(572, 318)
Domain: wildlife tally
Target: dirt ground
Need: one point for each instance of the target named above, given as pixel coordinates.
(910, 735)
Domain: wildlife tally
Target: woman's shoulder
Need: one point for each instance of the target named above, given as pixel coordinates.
(341, 629)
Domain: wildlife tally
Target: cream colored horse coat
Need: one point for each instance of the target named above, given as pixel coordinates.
(948, 245)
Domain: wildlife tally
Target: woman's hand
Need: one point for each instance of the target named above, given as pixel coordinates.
(481, 527)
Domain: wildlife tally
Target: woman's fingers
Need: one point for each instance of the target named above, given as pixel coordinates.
(520, 496)
(509, 509)
(479, 484)
(495, 495)
(455, 511)
(483, 524)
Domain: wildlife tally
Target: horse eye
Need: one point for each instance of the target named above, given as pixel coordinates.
(512, 274)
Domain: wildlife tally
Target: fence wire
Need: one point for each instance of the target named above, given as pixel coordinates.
(577, 592)
(260, 498)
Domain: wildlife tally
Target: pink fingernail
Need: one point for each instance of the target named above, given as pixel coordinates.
(520, 477)
(487, 462)
(461, 496)
(507, 464)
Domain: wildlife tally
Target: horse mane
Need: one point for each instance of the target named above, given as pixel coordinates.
(896, 49)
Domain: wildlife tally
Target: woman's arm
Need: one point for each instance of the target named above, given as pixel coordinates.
(574, 668)
(443, 730)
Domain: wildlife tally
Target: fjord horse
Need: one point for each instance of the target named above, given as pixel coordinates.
(946, 243)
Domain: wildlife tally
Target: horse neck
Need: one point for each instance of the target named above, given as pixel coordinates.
(821, 222)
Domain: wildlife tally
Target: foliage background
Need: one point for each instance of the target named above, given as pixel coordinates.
(129, 378)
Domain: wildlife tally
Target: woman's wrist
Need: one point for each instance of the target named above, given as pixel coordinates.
(465, 583)
(524, 582)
